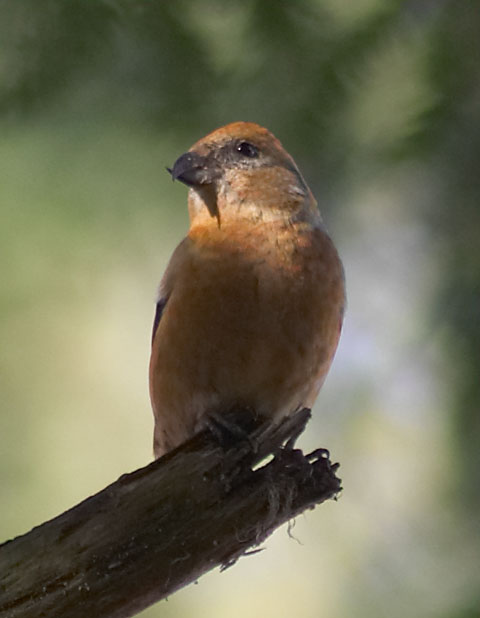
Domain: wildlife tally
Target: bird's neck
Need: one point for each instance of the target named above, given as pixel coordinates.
(281, 241)
(216, 209)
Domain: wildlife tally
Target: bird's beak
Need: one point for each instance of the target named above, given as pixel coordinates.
(194, 169)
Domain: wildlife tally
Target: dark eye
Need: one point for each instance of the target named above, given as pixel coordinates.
(247, 150)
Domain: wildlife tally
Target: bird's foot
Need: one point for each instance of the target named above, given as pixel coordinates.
(304, 414)
(229, 429)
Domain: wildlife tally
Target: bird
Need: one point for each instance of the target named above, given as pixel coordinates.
(251, 305)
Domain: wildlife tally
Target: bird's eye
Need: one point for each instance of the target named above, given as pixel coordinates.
(247, 150)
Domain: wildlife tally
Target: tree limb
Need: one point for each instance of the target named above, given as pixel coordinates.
(161, 527)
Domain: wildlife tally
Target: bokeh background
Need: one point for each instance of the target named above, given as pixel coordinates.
(379, 103)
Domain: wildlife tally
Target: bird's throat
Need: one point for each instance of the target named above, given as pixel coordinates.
(208, 195)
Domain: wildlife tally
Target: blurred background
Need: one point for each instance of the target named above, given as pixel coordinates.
(379, 103)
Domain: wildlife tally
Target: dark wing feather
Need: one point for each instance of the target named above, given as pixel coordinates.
(158, 314)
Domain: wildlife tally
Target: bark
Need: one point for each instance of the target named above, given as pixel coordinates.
(161, 527)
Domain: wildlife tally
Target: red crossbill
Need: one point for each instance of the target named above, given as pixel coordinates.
(250, 307)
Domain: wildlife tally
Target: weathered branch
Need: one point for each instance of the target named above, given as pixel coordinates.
(161, 527)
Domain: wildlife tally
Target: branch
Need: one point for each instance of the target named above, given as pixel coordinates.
(161, 527)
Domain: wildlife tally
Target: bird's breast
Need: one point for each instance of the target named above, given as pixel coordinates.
(253, 318)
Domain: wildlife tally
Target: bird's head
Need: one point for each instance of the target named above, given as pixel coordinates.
(241, 171)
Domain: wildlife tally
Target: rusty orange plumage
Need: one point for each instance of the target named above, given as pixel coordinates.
(251, 305)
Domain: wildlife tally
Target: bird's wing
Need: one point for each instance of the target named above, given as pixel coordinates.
(161, 304)
(167, 283)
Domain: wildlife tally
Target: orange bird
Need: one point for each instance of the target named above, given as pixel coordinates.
(250, 307)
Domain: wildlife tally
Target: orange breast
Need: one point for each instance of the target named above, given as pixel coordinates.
(253, 318)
